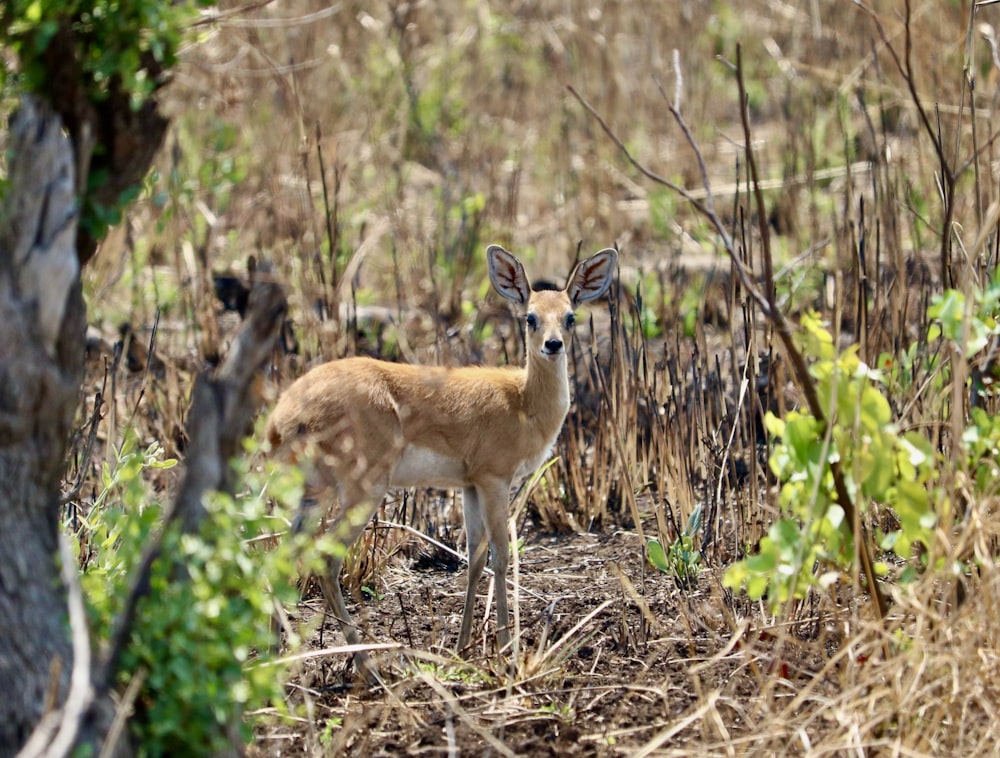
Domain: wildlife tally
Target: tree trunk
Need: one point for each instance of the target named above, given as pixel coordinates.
(42, 327)
(51, 696)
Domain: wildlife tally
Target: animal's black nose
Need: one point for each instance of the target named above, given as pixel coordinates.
(553, 346)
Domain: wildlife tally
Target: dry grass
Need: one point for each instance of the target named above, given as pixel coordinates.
(372, 153)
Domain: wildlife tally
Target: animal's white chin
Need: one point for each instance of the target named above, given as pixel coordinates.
(551, 356)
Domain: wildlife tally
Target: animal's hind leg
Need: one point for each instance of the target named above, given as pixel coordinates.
(357, 504)
(354, 461)
(300, 521)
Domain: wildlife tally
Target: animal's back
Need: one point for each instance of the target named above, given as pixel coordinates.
(322, 397)
(361, 392)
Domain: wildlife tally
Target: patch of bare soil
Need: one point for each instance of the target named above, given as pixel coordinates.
(612, 655)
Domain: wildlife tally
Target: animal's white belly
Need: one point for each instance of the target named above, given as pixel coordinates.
(422, 467)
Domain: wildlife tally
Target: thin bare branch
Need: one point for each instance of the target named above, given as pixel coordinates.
(948, 175)
(56, 733)
(764, 299)
(706, 208)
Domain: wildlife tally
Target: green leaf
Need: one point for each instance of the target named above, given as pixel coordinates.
(875, 410)
(757, 586)
(775, 426)
(735, 575)
(694, 522)
(656, 556)
(835, 516)
(785, 534)
(764, 562)
(817, 338)
(889, 541)
(915, 516)
(948, 308)
(33, 13)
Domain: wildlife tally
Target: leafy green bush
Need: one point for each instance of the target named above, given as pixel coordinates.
(969, 325)
(80, 54)
(114, 39)
(200, 642)
(813, 544)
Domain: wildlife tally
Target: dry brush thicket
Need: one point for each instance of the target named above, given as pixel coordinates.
(372, 152)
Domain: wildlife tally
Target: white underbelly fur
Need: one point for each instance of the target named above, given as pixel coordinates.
(422, 467)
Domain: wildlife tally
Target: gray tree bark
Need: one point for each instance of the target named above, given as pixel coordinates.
(52, 697)
(42, 326)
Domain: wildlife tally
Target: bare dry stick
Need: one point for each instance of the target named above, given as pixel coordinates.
(619, 446)
(783, 329)
(706, 208)
(56, 733)
(764, 299)
(947, 173)
(87, 454)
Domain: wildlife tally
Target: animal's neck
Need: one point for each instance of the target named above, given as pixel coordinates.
(546, 388)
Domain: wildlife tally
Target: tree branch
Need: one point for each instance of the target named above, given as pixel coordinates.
(222, 408)
(765, 299)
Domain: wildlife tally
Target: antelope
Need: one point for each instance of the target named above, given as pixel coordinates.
(364, 425)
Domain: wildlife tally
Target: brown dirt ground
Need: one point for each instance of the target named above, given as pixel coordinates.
(597, 674)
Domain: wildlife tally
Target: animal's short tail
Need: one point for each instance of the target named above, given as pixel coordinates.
(273, 436)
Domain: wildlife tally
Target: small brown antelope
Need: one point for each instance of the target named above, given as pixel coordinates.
(365, 425)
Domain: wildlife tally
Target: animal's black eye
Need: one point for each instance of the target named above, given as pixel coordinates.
(570, 320)
(532, 321)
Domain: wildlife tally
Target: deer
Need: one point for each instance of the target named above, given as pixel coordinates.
(363, 425)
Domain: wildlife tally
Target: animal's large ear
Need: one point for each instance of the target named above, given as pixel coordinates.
(592, 277)
(507, 275)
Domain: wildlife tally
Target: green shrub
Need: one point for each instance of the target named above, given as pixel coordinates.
(812, 544)
(82, 51)
(200, 641)
(681, 559)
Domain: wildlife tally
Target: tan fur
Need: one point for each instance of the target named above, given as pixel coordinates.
(365, 425)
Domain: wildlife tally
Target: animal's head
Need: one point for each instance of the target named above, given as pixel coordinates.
(549, 315)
